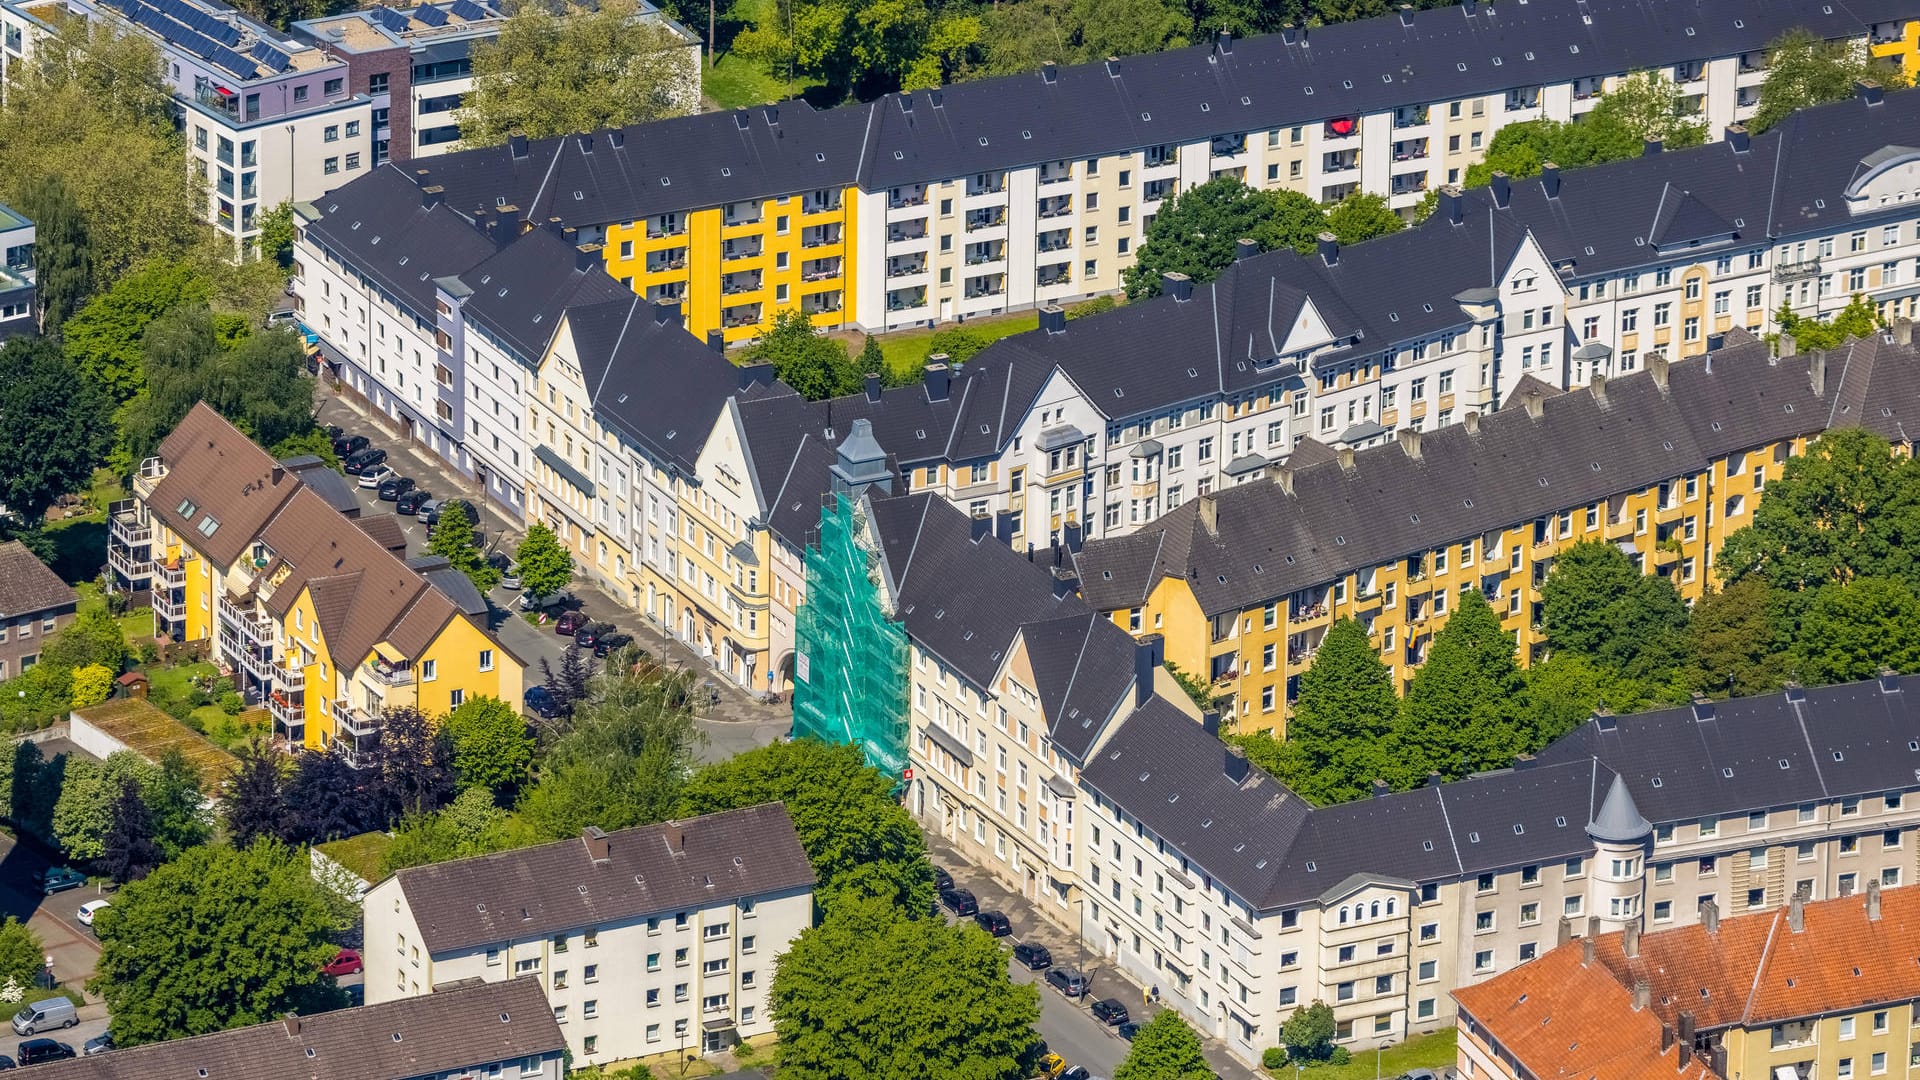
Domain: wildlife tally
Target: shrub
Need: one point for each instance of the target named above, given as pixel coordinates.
(231, 703)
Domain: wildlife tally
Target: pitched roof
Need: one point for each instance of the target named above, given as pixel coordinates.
(541, 890)
(28, 585)
(380, 225)
(1619, 821)
(219, 488)
(517, 295)
(1083, 669)
(325, 482)
(455, 1027)
(1565, 1019)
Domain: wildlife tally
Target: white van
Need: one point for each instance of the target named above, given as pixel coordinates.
(45, 1015)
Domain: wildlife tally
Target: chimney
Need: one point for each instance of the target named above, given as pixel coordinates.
(279, 473)
(586, 257)
(598, 848)
(1224, 43)
(1650, 147)
(1409, 441)
(1282, 475)
(1586, 949)
(1869, 91)
(1535, 404)
(1452, 204)
(1064, 582)
(1245, 248)
(1113, 67)
(1786, 346)
(1381, 789)
(1657, 367)
(1049, 74)
(1345, 457)
(1817, 372)
(1716, 342)
(1177, 285)
(1604, 720)
(1686, 1055)
(1738, 138)
(1053, 319)
(1003, 527)
(1710, 915)
(755, 374)
(675, 835)
(1329, 245)
(616, 138)
(1889, 681)
(666, 311)
(1642, 994)
(1562, 933)
(1406, 14)
(1630, 940)
(431, 196)
(979, 526)
(585, 142)
(1796, 914)
(1666, 1037)
(1209, 510)
(938, 377)
(1234, 765)
(1685, 1032)
(1148, 654)
(1597, 386)
(1434, 779)
(1873, 899)
(773, 116)
(717, 341)
(743, 119)
(1702, 706)
(1289, 34)
(1523, 761)
(1502, 189)
(1070, 537)
(873, 386)
(1903, 331)
(292, 1023)
(517, 144)
(1471, 421)
(1550, 179)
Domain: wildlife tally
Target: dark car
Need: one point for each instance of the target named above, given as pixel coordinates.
(7, 1062)
(993, 922)
(538, 699)
(1033, 954)
(606, 643)
(409, 502)
(1069, 981)
(393, 487)
(362, 460)
(587, 635)
(60, 878)
(1109, 1011)
(343, 445)
(35, 1051)
(570, 622)
(1127, 1030)
(942, 879)
(959, 901)
(434, 515)
(1076, 1072)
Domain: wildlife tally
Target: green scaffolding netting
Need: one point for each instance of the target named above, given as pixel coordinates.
(850, 669)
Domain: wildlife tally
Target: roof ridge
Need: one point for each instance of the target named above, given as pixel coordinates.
(1760, 969)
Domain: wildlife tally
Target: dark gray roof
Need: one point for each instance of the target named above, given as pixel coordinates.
(1619, 821)
(28, 585)
(1083, 665)
(325, 482)
(1582, 449)
(926, 546)
(568, 471)
(379, 226)
(518, 294)
(450, 1030)
(1183, 95)
(457, 587)
(652, 869)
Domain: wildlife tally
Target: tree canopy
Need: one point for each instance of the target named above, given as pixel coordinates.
(1165, 1048)
(1463, 708)
(1849, 507)
(546, 567)
(1345, 714)
(1805, 69)
(256, 378)
(492, 748)
(816, 366)
(56, 426)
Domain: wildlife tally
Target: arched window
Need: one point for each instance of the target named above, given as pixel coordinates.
(1343, 912)
(1375, 913)
(1389, 906)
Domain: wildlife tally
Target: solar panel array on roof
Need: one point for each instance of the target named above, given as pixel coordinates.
(275, 60)
(390, 18)
(468, 10)
(430, 15)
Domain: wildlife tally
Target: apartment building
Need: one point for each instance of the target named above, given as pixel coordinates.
(267, 120)
(1773, 994)
(653, 942)
(1390, 535)
(1022, 191)
(19, 311)
(34, 605)
(417, 66)
(308, 611)
(1211, 880)
(479, 1030)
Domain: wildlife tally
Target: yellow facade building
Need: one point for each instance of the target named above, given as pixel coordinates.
(1244, 584)
(306, 609)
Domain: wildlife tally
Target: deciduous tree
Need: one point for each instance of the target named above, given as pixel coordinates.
(1858, 319)
(131, 852)
(874, 992)
(243, 932)
(21, 953)
(1805, 69)
(412, 766)
(55, 425)
(93, 637)
(1849, 507)
(255, 378)
(1734, 641)
(1165, 1048)
(1462, 711)
(469, 825)
(546, 567)
(491, 745)
(252, 802)
(556, 70)
(622, 759)
(1853, 629)
(103, 338)
(452, 539)
(91, 685)
(62, 257)
(861, 841)
(1362, 215)
(1598, 604)
(326, 799)
(84, 813)
(1197, 233)
(818, 367)
(1346, 713)
(1308, 1033)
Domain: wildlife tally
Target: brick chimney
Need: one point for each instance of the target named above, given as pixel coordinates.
(599, 849)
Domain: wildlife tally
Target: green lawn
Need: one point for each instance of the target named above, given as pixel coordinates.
(1427, 1051)
(136, 624)
(906, 350)
(735, 82)
(80, 541)
(361, 854)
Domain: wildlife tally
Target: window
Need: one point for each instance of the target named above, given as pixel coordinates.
(1429, 970)
(335, 86)
(1483, 960)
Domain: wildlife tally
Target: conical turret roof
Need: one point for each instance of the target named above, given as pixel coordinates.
(1619, 820)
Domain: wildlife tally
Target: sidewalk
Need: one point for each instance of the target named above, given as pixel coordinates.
(1069, 949)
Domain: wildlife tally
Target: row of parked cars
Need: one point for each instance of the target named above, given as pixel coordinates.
(368, 464)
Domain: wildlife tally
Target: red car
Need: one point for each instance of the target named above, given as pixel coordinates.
(570, 623)
(346, 963)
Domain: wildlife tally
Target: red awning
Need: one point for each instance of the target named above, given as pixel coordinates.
(223, 91)
(1342, 126)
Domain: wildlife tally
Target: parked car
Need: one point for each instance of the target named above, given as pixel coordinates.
(375, 473)
(36, 1051)
(1069, 981)
(607, 643)
(535, 602)
(334, 432)
(99, 1044)
(509, 573)
(283, 317)
(91, 908)
(959, 901)
(540, 701)
(1077, 1072)
(431, 514)
(393, 487)
(345, 962)
(1033, 954)
(60, 879)
(1418, 1074)
(570, 622)
(358, 462)
(429, 511)
(1111, 1011)
(591, 632)
(942, 879)
(347, 445)
(410, 502)
(993, 922)
(1052, 1065)
(45, 1015)
(7, 1062)
(356, 994)
(1127, 1030)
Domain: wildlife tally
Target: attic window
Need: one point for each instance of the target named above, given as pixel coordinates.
(1311, 867)
(1193, 373)
(580, 196)
(1785, 764)
(1426, 845)
(499, 200)
(1473, 838)
(1789, 406)
(1468, 503)
(1246, 101)
(1560, 822)
(375, 240)
(983, 142)
(1715, 425)
(1574, 49)
(1838, 756)
(310, 1051)
(1689, 31)
(1347, 83)
(1543, 481)
(1386, 78)
(1820, 204)
(1415, 518)
(1589, 249)
(1173, 798)
(1026, 134)
(186, 509)
(1204, 107)
(899, 156)
(1143, 116)
(1496, 61)
(1207, 824)
(1106, 575)
(404, 259)
(1594, 465)
(1667, 444)
(1222, 577)
(1462, 67)
(1117, 392)
(1728, 773)
(208, 524)
(1739, 223)
(1914, 745)
(1519, 829)
(1529, 55)
(1340, 540)
(1739, 24)
(1393, 316)
(1309, 91)
(724, 171)
(1655, 781)
(1639, 241)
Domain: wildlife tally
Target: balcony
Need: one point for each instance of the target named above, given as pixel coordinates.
(1300, 613)
(659, 262)
(1056, 274)
(291, 678)
(150, 473)
(1410, 117)
(820, 235)
(986, 218)
(821, 303)
(820, 269)
(992, 251)
(901, 198)
(388, 674)
(1796, 271)
(289, 716)
(1156, 156)
(1340, 161)
(985, 285)
(1056, 206)
(131, 564)
(903, 265)
(907, 299)
(1524, 98)
(1155, 190)
(1409, 183)
(744, 248)
(355, 733)
(820, 202)
(1689, 72)
(987, 184)
(1340, 127)
(907, 230)
(1055, 172)
(1410, 150)
(742, 282)
(1227, 145)
(741, 315)
(1054, 240)
(666, 225)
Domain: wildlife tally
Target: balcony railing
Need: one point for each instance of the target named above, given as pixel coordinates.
(291, 678)
(387, 675)
(1795, 271)
(286, 712)
(354, 722)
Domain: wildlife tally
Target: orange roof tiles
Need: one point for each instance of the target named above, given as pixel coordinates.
(1564, 1018)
